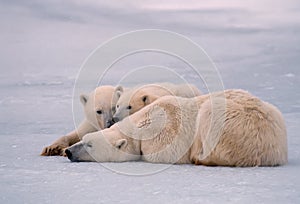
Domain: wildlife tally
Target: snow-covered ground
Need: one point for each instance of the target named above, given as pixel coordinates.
(44, 43)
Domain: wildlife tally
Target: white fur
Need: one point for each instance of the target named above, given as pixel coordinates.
(134, 99)
(231, 128)
(101, 99)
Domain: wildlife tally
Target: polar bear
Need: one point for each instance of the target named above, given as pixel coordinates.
(134, 99)
(99, 107)
(230, 128)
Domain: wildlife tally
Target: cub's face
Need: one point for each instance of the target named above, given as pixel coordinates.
(130, 102)
(99, 106)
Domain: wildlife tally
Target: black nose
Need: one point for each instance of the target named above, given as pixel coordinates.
(69, 154)
(110, 123)
(116, 119)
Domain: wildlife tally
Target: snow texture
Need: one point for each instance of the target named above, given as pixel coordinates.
(44, 43)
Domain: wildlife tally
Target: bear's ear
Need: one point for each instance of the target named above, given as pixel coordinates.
(118, 94)
(119, 88)
(84, 98)
(118, 91)
(147, 99)
(121, 143)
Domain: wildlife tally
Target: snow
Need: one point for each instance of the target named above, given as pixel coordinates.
(291, 75)
(44, 43)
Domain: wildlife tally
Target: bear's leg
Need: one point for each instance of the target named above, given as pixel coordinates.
(58, 147)
(209, 126)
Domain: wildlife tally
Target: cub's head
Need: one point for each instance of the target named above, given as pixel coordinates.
(130, 101)
(103, 146)
(99, 106)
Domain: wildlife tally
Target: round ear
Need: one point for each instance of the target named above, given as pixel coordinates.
(118, 94)
(119, 88)
(118, 91)
(147, 99)
(84, 98)
(121, 143)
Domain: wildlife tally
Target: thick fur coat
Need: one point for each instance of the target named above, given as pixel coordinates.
(230, 128)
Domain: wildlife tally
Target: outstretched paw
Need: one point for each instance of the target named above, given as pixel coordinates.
(54, 150)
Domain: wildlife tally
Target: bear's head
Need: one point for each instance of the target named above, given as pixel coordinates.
(131, 101)
(103, 146)
(99, 106)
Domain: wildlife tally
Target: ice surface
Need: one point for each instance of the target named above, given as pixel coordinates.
(44, 43)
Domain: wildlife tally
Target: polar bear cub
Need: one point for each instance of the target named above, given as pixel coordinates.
(230, 128)
(98, 109)
(134, 99)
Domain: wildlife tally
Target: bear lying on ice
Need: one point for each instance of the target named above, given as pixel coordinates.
(231, 128)
(134, 99)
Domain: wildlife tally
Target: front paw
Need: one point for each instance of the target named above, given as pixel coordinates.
(64, 153)
(54, 150)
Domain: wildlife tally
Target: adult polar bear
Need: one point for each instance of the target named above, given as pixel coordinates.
(98, 109)
(134, 99)
(180, 130)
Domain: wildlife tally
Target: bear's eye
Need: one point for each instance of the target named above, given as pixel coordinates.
(129, 107)
(99, 112)
(118, 106)
(89, 145)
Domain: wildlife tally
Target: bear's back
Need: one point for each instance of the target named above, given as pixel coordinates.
(251, 132)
